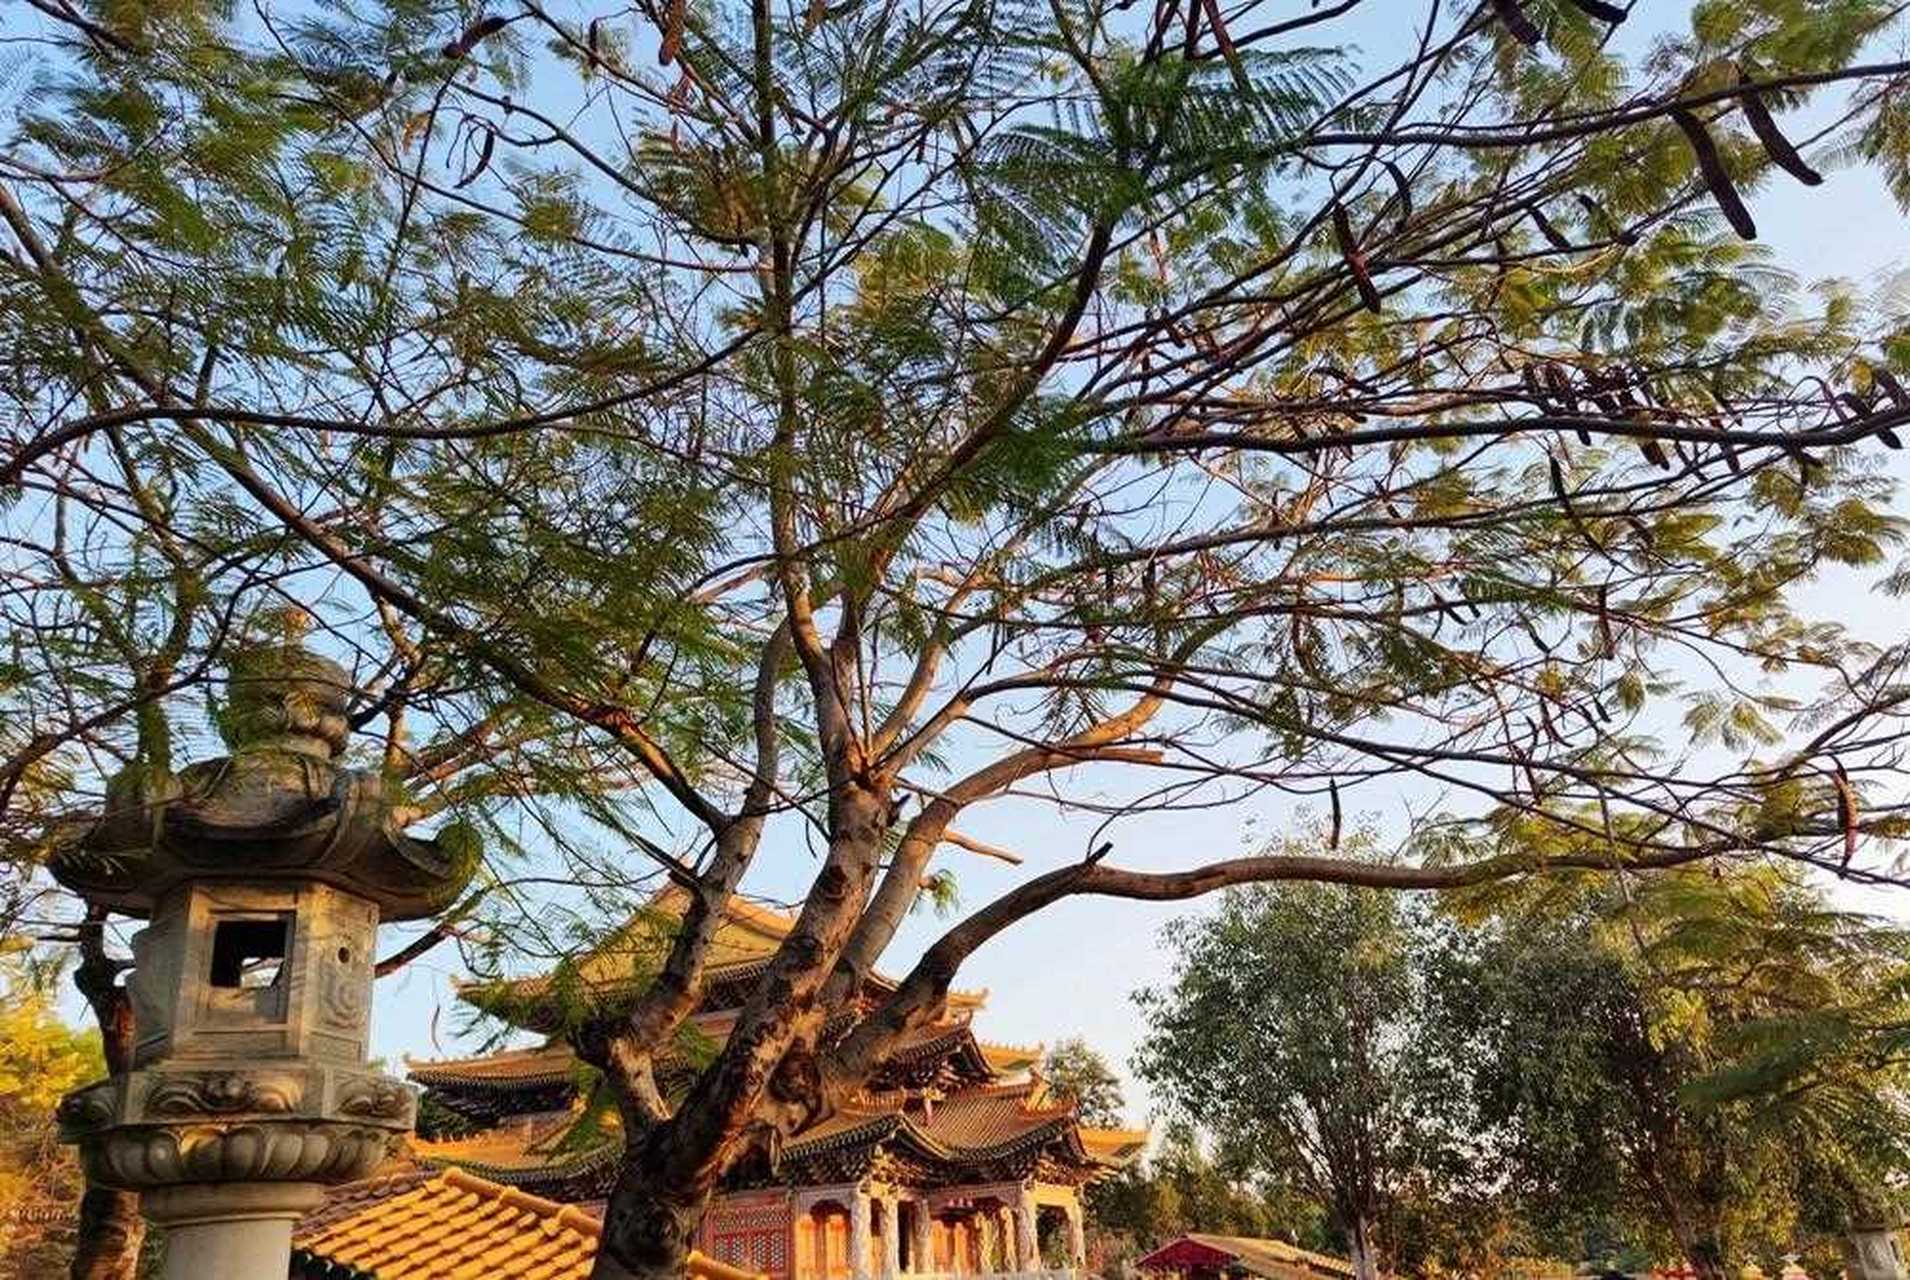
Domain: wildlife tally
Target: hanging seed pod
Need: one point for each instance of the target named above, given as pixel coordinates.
(1846, 809)
(1886, 382)
(473, 35)
(672, 42)
(1776, 145)
(1355, 260)
(1725, 446)
(1595, 213)
(1716, 178)
(1889, 437)
(1654, 453)
(486, 145)
(1558, 484)
(1333, 793)
(1546, 229)
(1517, 21)
(1403, 190)
(1602, 11)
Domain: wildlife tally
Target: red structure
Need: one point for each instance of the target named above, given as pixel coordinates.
(1210, 1257)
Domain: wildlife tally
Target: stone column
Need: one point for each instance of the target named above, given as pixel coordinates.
(233, 1230)
(1027, 1243)
(891, 1238)
(1077, 1237)
(859, 1235)
(922, 1255)
(1871, 1252)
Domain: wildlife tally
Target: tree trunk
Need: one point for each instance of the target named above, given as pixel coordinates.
(110, 1234)
(648, 1229)
(1360, 1249)
(111, 1229)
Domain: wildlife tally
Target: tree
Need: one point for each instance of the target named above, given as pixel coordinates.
(881, 409)
(1290, 1036)
(40, 1058)
(1075, 1071)
(1618, 1036)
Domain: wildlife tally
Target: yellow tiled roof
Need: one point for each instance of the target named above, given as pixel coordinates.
(461, 1227)
(745, 941)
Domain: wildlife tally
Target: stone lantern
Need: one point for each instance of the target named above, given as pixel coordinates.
(1872, 1251)
(264, 876)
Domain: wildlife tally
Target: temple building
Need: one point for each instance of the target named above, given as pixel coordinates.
(955, 1160)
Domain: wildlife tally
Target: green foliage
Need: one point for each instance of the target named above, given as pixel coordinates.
(1292, 1037)
(1677, 1056)
(1074, 1071)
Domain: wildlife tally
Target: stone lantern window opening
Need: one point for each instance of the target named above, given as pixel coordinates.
(248, 954)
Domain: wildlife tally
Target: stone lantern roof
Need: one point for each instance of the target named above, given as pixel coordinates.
(280, 807)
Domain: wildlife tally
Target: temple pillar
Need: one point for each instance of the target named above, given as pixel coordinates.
(922, 1251)
(859, 1235)
(891, 1237)
(1077, 1237)
(1027, 1243)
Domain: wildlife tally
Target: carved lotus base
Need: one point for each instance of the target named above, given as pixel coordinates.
(289, 1122)
(141, 1157)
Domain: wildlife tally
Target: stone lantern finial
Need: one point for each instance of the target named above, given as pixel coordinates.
(265, 874)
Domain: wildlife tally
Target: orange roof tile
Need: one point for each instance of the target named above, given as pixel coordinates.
(460, 1227)
(534, 1147)
(1113, 1146)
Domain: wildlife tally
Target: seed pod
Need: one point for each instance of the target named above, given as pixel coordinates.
(1730, 453)
(478, 31)
(1355, 260)
(1546, 229)
(1846, 809)
(1602, 11)
(1654, 453)
(1711, 168)
(1558, 484)
(1776, 145)
(1403, 189)
(485, 147)
(672, 41)
(1886, 382)
(1513, 14)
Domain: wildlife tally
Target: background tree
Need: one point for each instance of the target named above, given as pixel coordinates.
(40, 1059)
(883, 409)
(1291, 1037)
(1617, 1033)
(1075, 1071)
